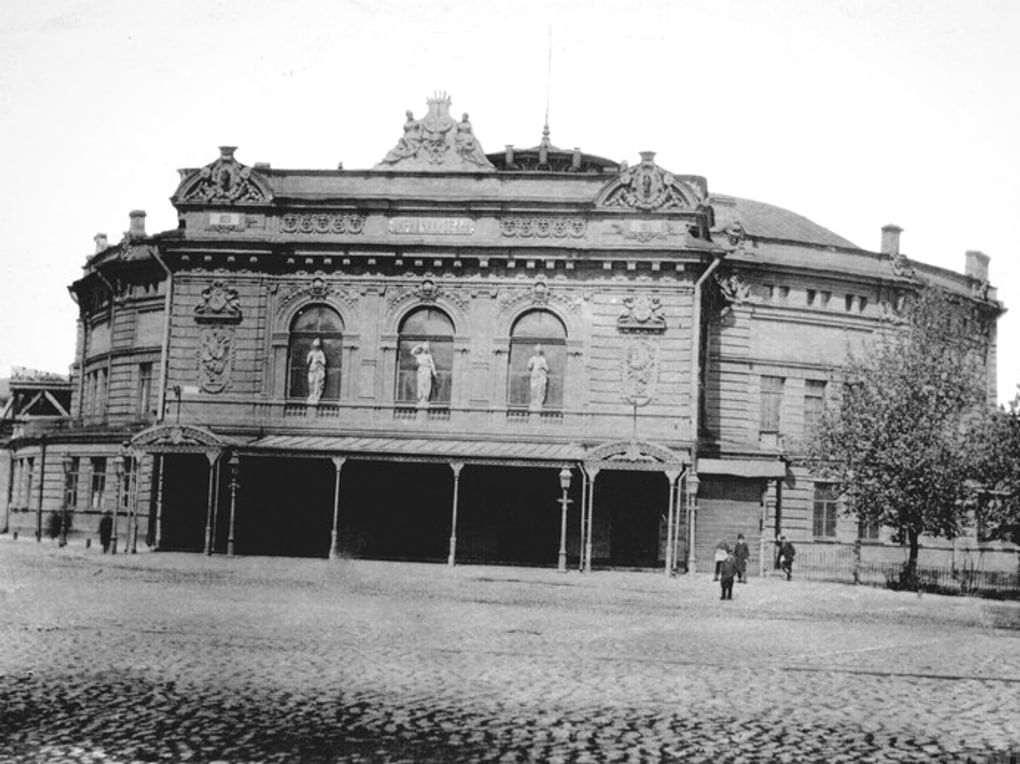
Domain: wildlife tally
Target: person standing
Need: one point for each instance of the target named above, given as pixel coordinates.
(727, 569)
(106, 531)
(741, 553)
(722, 551)
(786, 555)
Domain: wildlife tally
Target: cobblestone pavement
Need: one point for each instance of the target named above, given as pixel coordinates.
(166, 657)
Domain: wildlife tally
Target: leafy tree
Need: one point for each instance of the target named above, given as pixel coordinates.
(995, 473)
(895, 446)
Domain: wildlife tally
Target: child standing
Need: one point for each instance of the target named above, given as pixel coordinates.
(727, 570)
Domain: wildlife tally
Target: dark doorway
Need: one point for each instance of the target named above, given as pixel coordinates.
(511, 515)
(395, 510)
(284, 507)
(185, 502)
(629, 518)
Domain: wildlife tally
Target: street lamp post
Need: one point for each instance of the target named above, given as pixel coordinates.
(68, 463)
(564, 501)
(118, 472)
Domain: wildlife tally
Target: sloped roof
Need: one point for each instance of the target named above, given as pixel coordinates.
(771, 222)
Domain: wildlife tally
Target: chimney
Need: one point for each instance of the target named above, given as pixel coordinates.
(891, 240)
(977, 265)
(575, 160)
(137, 229)
(509, 155)
(101, 242)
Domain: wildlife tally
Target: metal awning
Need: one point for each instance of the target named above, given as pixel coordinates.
(522, 453)
(745, 468)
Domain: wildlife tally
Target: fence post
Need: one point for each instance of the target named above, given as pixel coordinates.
(857, 561)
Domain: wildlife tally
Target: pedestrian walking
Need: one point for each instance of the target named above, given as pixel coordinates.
(722, 551)
(106, 531)
(727, 569)
(786, 555)
(740, 555)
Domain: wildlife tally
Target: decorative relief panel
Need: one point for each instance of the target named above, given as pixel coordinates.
(543, 227)
(734, 289)
(642, 314)
(317, 288)
(645, 231)
(538, 295)
(215, 358)
(428, 291)
(323, 223)
(220, 304)
(639, 370)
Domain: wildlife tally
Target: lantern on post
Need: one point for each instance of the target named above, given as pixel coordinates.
(68, 464)
(565, 478)
(118, 471)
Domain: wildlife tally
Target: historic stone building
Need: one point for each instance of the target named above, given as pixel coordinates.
(535, 356)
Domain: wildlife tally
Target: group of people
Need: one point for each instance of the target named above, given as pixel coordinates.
(731, 564)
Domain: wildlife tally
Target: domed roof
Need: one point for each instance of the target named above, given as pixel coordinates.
(771, 222)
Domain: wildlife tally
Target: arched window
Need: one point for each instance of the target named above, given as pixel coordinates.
(315, 328)
(425, 357)
(538, 354)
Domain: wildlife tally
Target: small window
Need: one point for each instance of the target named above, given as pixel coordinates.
(771, 403)
(770, 291)
(849, 299)
(97, 498)
(784, 292)
(825, 297)
(862, 303)
(814, 404)
(71, 484)
(811, 295)
(825, 509)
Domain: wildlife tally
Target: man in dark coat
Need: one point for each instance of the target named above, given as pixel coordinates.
(786, 554)
(740, 555)
(106, 531)
(727, 569)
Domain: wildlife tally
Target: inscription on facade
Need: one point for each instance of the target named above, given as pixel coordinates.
(432, 226)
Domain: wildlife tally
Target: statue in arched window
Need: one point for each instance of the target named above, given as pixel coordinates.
(538, 368)
(316, 362)
(426, 371)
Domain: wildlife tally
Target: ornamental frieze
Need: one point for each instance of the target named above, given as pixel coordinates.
(543, 227)
(432, 226)
(220, 303)
(323, 223)
(642, 313)
(215, 358)
(644, 231)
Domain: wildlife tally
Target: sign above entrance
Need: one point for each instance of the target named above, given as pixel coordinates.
(432, 226)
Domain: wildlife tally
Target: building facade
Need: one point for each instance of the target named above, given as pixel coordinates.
(535, 356)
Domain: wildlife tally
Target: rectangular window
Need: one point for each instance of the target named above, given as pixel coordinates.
(862, 303)
(825, 507)
(145, 390)
(868, 531)
(771, 403)
(770, 291)
(811, 294)
(71, 484)
(849, 299)
(26, 499)
(824, 302)
(814, 404)
(784, 292)
(97, 498)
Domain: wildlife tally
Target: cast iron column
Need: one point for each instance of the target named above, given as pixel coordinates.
(334, 543)
(456, 467)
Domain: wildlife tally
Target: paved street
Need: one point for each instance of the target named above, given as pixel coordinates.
(167, 657)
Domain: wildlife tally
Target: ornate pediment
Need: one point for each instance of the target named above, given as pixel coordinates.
(646, 187)
(177, 437)
(225, 181)
(634, 451)
(437, 142)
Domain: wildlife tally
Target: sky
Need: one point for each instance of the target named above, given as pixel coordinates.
(853, 114)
